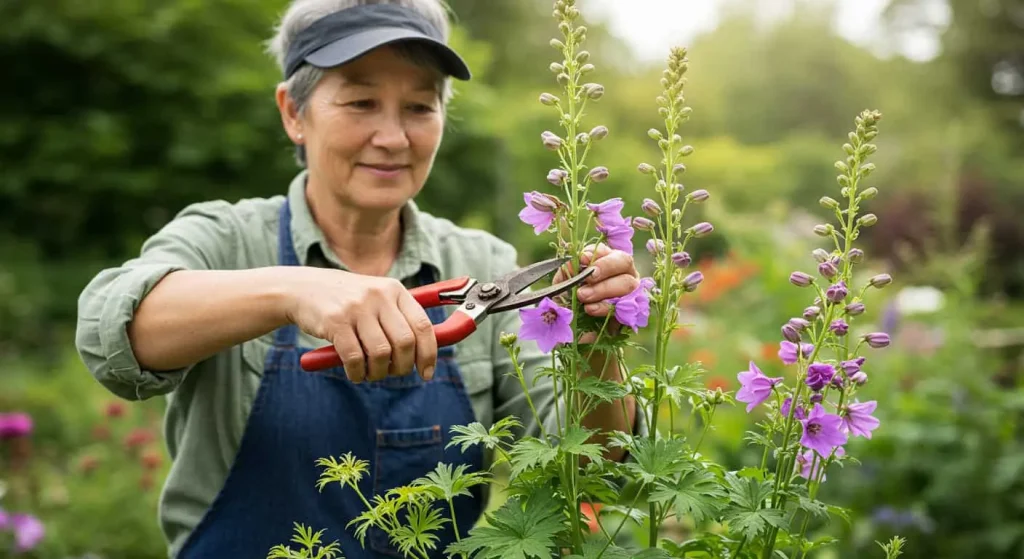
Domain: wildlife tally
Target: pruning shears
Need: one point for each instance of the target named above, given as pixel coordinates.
(476, 301)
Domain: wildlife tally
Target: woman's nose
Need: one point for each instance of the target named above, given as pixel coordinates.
(391, 133)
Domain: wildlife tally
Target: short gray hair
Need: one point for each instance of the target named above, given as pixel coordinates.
(303, 13)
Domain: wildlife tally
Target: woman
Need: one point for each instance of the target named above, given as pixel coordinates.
(221, 302)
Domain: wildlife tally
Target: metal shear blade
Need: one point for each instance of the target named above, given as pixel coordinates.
(514, 283)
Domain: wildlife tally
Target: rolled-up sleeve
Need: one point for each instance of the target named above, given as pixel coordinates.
(201, 237)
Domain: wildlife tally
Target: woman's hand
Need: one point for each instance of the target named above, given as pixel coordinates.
(376, 326)
(614, 275)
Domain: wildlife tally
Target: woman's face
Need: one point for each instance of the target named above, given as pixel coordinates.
(371, 130)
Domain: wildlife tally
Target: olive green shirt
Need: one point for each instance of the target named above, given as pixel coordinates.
(208, 403)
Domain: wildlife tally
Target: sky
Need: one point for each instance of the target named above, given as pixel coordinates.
(651, 26)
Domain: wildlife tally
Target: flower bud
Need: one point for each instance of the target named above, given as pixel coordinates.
(599, 132)
(681, 259)
(880, 281)
(543, 202)
(556, 68)
(650, 207)
(686, 150)
(867, 220)
(679, 168)
(655, 246)
(856, 255)
(837, 292)
(586, 69)
(828, 203)
(548, 99)
(702, 229)
(868, 193)
(557, 176)
(817, 397)
(678, 188)
(508, 339)
(823, 230)
(860, 377)
(556, 44)
(677, 215)
(810, 313)
(594, 91)
(828, 269)
(654, 134)
(839, 327)
(877, 340)
(582, 56)
(854, 309)
(698, 196)
(691, 281)
(598, 174)
(643, 224)
(820, 254)
(852, 366)
(582, 138)
(551, 141)
(645, 168)
(790, 333)
(800, 279)
(799, 323)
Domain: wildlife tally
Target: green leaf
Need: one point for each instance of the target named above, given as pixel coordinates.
(529, 452)
(659, 459)
(475, 433)
(516, 530)
(575, 442)
(310, 542)
(745, 514)
(448, 484)
(602, 390)
(417, 532)
(348, 471)
(696, 493)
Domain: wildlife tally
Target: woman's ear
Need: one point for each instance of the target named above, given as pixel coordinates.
(290, 117)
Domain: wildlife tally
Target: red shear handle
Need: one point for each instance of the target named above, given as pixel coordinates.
(430, 295)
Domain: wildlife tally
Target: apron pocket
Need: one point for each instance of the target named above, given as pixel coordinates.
(403, 455)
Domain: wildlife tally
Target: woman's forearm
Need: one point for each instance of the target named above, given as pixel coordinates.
(191, 315)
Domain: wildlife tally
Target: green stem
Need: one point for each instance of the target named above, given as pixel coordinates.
(455, 523)
(526, 393)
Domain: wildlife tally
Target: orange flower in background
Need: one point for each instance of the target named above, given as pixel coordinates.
(718, 382)
(720, 277)
(705, 356)
(590, 513)
(115, 409)
(151, 459)
(138, 438)
(770, 351)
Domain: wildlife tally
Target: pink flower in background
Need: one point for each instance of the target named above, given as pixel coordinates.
(14, 425)
(548, 324)
(857, 419)
(28, 531)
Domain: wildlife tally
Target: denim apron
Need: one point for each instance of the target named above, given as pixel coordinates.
(399, 425)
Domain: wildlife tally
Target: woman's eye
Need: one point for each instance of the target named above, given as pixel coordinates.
(421, 108)
(362, 104)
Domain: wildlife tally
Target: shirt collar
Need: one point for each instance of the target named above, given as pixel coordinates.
(419, 246)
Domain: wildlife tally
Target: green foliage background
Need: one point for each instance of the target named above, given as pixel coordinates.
(117, 114)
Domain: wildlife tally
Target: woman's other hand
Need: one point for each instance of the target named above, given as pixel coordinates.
(374, 323)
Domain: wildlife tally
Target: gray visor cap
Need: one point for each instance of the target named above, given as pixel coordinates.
(352, 47)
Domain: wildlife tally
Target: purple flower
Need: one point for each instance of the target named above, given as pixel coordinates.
(692, 280)
(790, 333)
(877, 340)
(787, 351)
(837, 292)
(816, 398)
(828, 269)
(28, 531)
(698, 196)
(755, 387)
(857, 418)
(839, 327)
(619, 235)
(860, 377)
(681, 259)
(797, 413)
(856, 255)
(633, 310)
(805, 462)
(15, 425)
(557, 176)
(608, 212)
(643, 224)
(819, 375)
(548, 324)
(701, 229)
(598, 174)
(822, 431)
(810, 313)
(854, 309)
(534, 215)
(880, 281)
(654, 246)
(650, 207)
(800, 279)
(851, 366)
(799, 323)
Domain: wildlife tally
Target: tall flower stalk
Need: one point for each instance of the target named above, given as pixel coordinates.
(750, 513)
